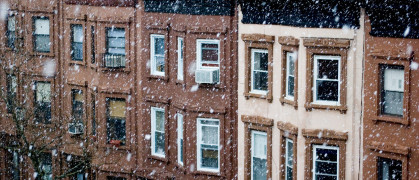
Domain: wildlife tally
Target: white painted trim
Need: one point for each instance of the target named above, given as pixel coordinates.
(253, 132)
(180, 58)
(315, 73)
(289, 56)
(179, 137)
(153, 131)
(199, 143)
(153, 55)
(315, 147)
(253, 51)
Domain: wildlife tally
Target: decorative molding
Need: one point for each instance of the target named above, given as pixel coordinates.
(258, 38)
(115, 90)
(77, 83)
(288, 40)
(258, 120)
(327, 42)
(325, 134)
(391, 54)
(156, 99)
(201, 29)
(387, 147)
(157, 25)
(199, 109)
(287, 127)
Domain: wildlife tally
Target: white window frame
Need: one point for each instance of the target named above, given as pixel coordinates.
(153, 131)
(287, 140)
(315, 73)
(199, 43)
(153, 62)
(252, 90)
(179, 138)
(253, 132)
(290, 55)
(315, 147)
(180, 57)
(38, 31)
(394, 71)
(199, 143)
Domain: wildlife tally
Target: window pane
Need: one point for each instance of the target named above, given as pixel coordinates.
(209, 156)
(327, 90)
(393, 87)
(209, 122)
(43, 92)
(259, 145)
(327, 69)
(326, 168)
(326, 154)
(159, 45)
(11, 23)
(77, 51)
(116, 41)
(291, 64)
(42, 26)
(260, 80)
(116, 129)
(209, 135)
(325, 177)
(290, 86)
(116, 32)
(160, 121)
(290, 153)
(259, 169)
(78, 100)
(77, 33)
(159, 63)
(210, 54)
(389, 169)
(117, 108)
(393, 103)
(260, 61)
(159, 137)
(42, 43)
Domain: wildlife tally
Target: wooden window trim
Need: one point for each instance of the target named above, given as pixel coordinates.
(11, 13)
(324, 137)
(260, 124)
(68, 55)
(78, 86)
(391, 58)
(290, 131)
(31, 38)
(288, 44)
(258, 41)
(325, 46)
(389, 151)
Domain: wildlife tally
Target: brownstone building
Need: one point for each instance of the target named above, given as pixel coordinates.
(391, 94)
(150, 84)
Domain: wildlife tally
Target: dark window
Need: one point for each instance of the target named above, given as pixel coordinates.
(93, 45)
(46, 166)
(392, 88)
(11, 31)
(93, 114)
(115, 121)
(77, 109)
(291, 56)
(77, 42)
(41, 34)
(326, 79)
(389, 169)
(115, 48)
(43, 102)
(11, 92)
(325, 162)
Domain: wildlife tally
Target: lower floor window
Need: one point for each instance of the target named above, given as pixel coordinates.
(259, 155)
(325, 162)
(389, 169)
(289, 158)
(208, 144)
(46, 166)
(115, 123)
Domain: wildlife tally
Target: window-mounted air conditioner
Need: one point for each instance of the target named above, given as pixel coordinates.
(75, 128)
(114, 61)
(207, 76)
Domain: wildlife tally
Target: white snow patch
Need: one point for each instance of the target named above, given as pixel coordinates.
(346, 29)
(129, 155)
(414, 66)
(49, 68)
(147, 137)
(4, 8)
(192, 68)
(407, 31)
(194, 88)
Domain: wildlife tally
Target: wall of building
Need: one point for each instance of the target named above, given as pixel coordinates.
(300, 117)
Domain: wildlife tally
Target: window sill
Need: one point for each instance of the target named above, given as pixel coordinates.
(260, 96)
(124, 70)
(74, 62)
(208, 173)
(207, 85)
(392, 119)
(284, 100)
(341, 108)
(44, 54)
(158, 77)
(158, 158)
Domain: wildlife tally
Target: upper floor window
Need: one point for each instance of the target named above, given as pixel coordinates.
(392, 80)
(77, 109)
(289, 158)
(115, 122)
(43, 102)
(259, 155)
(208, 144)
(326, 80)
(180, 58)
(77, 42)
(389, 168)
(41, 34)
(157, 132)
(93, 114)
(115, 48)
(180, 138)
(259, 71)
(157, 54)
(11, 31)
(11, 92)
(325, 162)
(290, 75)
(208, 61)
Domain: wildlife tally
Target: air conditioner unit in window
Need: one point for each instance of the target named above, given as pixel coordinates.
(208, 76)
(75, 128)
(114, 61)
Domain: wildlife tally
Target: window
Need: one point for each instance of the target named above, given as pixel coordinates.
(389, 169)
(11, 92)
(46, 166)
(93, 60)
(392, 90)
(77, 108)
(115, 124)
(157, 50)
(93, 105)
(41, 34)
(326, 79)
(208, 145)
(12, 159)
(289, 159)
(77, 42)
(180, 58)
(259, 155)
(115, 48)
(180, 138)
(259, 71)
(325, 162)
(258, 57)
(290, 76)
(115, 178)
(11, 32)
(157, 132)
(208, 54)
(43, 102)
